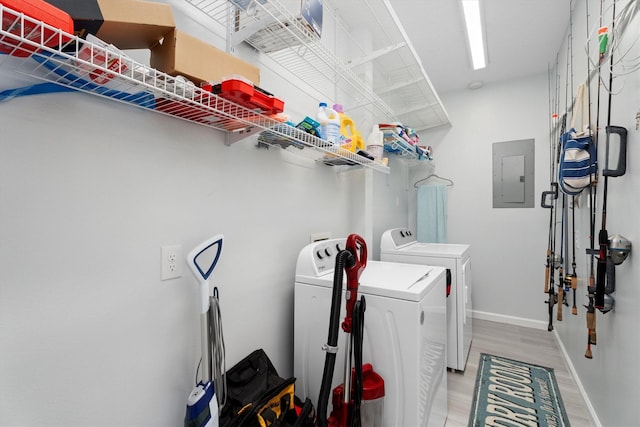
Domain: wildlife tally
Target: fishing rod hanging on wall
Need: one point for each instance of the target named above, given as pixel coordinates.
(572, 278)
(549, 198)
(584, 138)
(561, 295)
(616, 247)
(605, 284)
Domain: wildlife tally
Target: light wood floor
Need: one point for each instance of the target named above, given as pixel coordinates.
(515, 342)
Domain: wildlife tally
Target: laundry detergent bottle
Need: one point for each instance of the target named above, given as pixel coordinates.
(329, 123)
(351, 137)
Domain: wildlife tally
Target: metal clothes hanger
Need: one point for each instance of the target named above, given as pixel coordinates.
(433, 175)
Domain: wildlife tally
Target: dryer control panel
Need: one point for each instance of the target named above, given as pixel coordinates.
(397, 238)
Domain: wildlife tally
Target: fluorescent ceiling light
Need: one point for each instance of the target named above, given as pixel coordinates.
(472, 18)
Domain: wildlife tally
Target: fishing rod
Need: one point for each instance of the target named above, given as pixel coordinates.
(590, 314)
(560, 268)
(564, 280)
(573, 277)
(554, 188)
(542, 201)
(560, 293)
(603, 235)
(555, 154)
(554, 195)
(552, 298)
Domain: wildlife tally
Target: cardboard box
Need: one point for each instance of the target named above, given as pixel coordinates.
(127, 24)
(182, 54)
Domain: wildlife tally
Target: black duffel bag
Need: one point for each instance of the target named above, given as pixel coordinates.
(258, 397)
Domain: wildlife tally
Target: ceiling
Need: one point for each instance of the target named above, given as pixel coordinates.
(522, 38)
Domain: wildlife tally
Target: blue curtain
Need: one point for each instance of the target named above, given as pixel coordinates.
(432, 214)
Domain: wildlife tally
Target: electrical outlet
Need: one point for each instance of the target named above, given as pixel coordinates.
(315, 237)
(171, 262)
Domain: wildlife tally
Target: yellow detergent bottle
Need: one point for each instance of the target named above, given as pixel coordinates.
(352, 138)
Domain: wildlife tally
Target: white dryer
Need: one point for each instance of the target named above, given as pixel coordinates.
(404, 332)
(400, 245)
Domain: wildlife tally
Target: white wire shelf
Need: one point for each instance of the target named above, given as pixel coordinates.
(35, 49)
(395, 88)
(282, 136)
(393, 143)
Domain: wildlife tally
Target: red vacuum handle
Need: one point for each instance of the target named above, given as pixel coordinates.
(358, 247)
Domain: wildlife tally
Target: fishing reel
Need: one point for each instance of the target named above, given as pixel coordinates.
(609, 303)
(552, 298)
(566, 288)
(619, 248)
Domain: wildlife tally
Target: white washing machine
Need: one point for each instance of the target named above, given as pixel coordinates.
(400, 245)
(404, 332)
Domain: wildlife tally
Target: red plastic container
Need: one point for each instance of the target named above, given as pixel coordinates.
(247, 95)
(37, 10)
(372, 405)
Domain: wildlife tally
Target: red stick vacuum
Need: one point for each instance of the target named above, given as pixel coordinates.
(358, 248)
(353, 260)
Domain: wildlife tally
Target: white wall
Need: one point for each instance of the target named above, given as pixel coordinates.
(615, 358)
(508, 245)
(390, 200)
(90, 190)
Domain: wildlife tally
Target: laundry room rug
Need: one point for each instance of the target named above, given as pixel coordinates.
(513, 393)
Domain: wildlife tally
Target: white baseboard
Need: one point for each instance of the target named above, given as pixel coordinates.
(574, 374)
(518, 321)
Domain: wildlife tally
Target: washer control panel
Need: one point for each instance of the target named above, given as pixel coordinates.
(325, 252)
